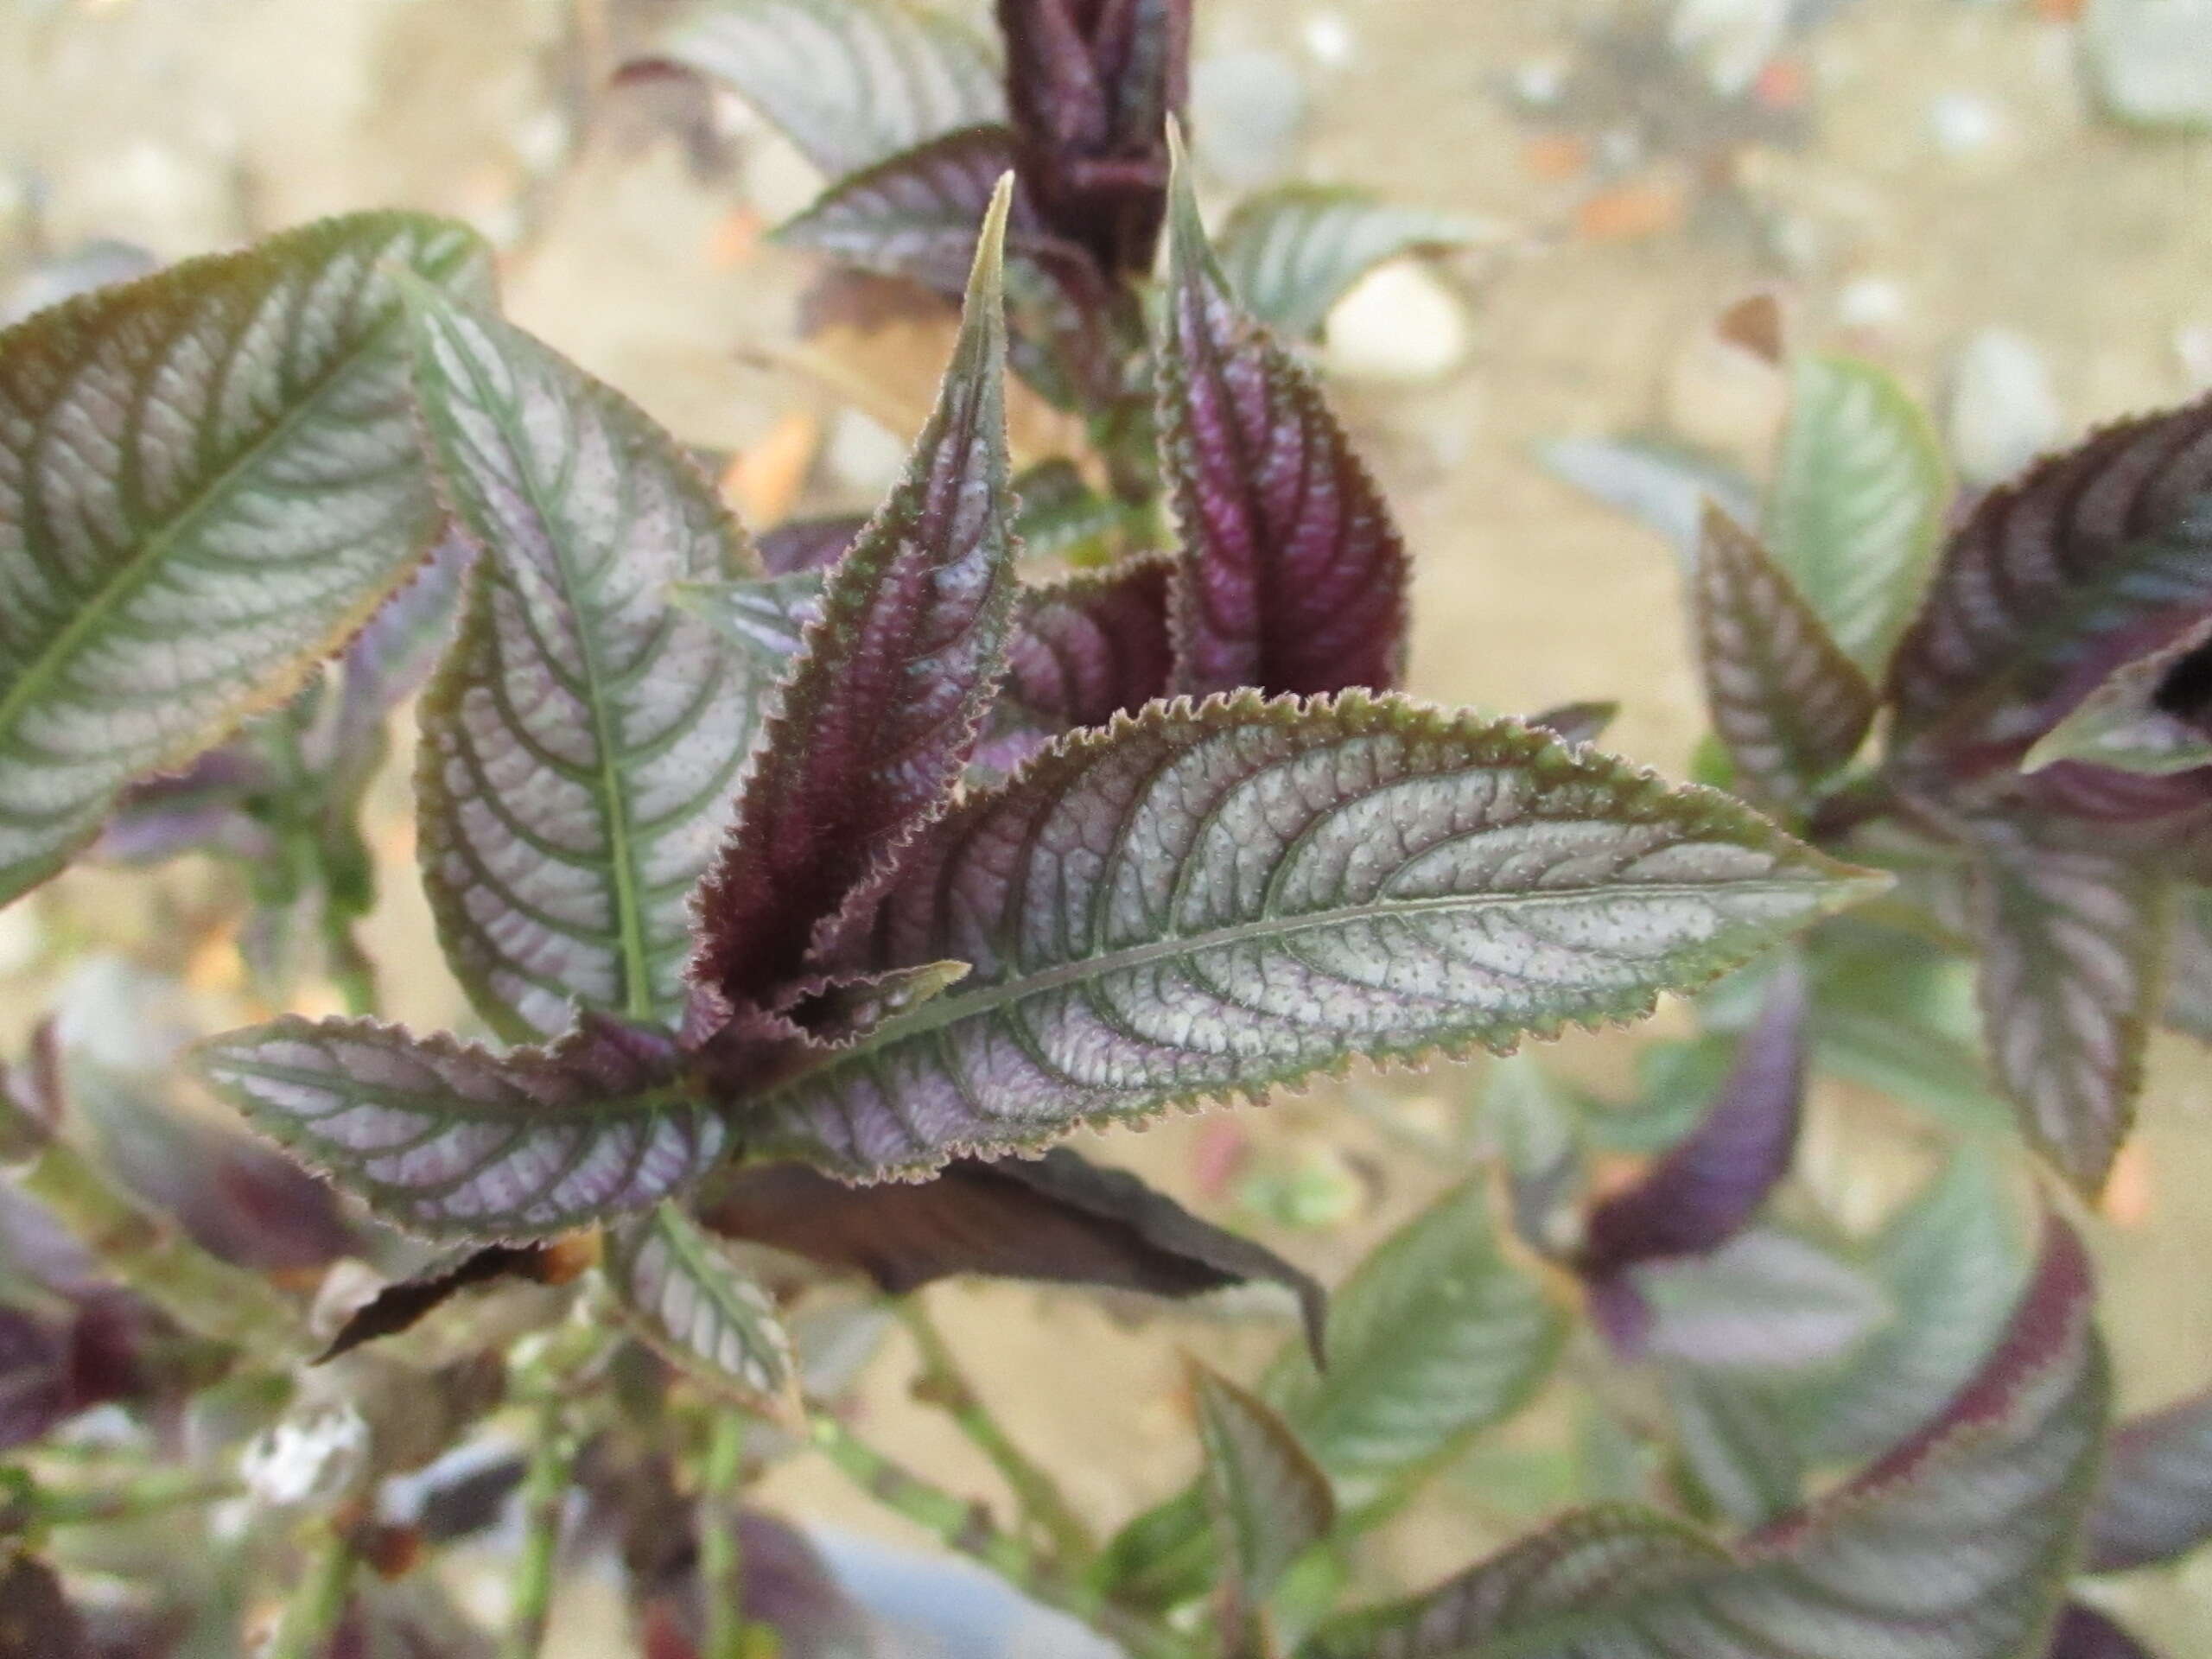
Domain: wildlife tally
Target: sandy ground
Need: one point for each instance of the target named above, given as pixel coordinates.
(183, 125)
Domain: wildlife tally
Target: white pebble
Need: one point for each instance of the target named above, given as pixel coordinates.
(318, 1455)
(21, 939)
(1398, 323)
(1964, 124)
(2193, 346)
(1540, 82)
(2003, 411)
(1329, 38)
(1871, 303)
(2152, 60)
(863, 454)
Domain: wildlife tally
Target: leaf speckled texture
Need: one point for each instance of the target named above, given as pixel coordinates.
(2073, 956)
(1790, 706)
(209, 480)
(446, 1139)
(850, 82)
(1293, 576)
(1214, 899)
(886, 697)
(686, 1293)
(1955, 1546)
(581, 743)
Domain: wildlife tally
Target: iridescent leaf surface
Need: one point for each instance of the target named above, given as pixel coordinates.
(2154, 1503)
(689, 1296)
(581, 742)
(1270, 1500)
(1058, 1219)
(444, 1138)
(1291, 252)
(850, 82)
(1211, 900)
(1790, 706)
(1090, 646)
(1857, 509)
(2094, 558)
(885, 701)
(2073, 945)
(1709, 1186)
(1955, 1546)
(1293, 576)
(208, 481)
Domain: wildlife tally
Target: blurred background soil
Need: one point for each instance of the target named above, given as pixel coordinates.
(1909, 176)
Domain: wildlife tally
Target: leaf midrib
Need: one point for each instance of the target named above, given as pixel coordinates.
(128, 580)
(954, 1007)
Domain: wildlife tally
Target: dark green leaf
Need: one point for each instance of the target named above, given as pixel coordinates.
(444, 1138)
(1270, 1500)
(1216, 900)
(208, 481)
(1291, 253)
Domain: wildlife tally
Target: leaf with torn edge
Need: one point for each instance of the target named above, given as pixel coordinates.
(1291, 252)
(1217, 899)
(208, 481)
(885, 701)
(449, 1139)
(1788, 705)
(849, 82)
(1293, 577)
(2073, 948)
(685, 1291)
(1957, 1545)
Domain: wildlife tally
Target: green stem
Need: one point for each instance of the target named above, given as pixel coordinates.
(545, 1498)
(722, 1558)
(201, 1292)
(944, 1385)
(966, 1528)
(143, 1495)
(318, 1605)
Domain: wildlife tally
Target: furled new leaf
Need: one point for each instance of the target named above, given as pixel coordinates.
(2094, 558)
(690, 1299)
(1216, 900)
(2072, 954)
(1954, 1267)
(1293, 576)
(2141, 717)
(885, 701)
(444, 1138)
(1955, 1546)
(850, 82)
(1091, 85)
(1707, 1187)
(581, 741)
(1789, 706)
(2085, 1633)
(1857, 509)
(1059, 1218)
(1270, 1500)
(1291, 253)
(208, 482)
(2154, 1503)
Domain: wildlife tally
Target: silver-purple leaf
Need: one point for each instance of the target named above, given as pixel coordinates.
(2124, 722)
(1957, 1545)
(447, 1139)
(685, 1291)
(1293, 577)
(1270, 1500)
(1291, 252)
(2154, 1502)
(207, 482)
(1710, 1185)
(1788, 705)
(2073, 948)
(1210, 901)
(808, 543)
(884, 702)
(581, 742)
(849, 82)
